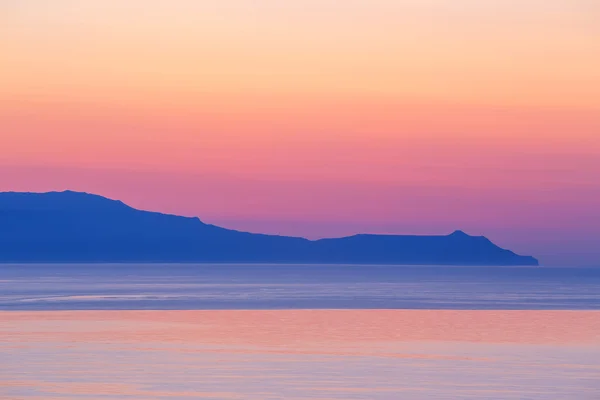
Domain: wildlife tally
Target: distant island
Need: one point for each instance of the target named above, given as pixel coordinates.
(68, 227)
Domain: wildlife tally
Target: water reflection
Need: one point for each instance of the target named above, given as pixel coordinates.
(302, 354)
(88, 287)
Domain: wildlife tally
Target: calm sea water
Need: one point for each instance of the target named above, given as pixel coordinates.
(150, 332)
(161, 287)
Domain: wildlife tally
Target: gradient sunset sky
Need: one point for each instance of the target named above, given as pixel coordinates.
(316, 117)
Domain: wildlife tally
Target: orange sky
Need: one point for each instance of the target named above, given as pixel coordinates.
(317, 117)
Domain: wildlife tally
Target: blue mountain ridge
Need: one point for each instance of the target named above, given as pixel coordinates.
(68, 227)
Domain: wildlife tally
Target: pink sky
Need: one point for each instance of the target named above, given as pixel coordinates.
(316, 118)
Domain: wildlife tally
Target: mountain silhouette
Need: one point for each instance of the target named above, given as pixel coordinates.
(79, 227)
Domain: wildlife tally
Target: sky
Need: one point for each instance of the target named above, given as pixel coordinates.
(316, 118)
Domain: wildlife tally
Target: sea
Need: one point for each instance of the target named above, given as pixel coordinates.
(184, 331)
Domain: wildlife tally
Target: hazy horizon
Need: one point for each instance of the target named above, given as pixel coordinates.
(297, 228)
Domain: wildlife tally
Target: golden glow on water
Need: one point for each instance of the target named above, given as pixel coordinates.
(300, 354)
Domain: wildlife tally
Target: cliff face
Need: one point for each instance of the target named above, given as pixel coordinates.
(80, 227)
